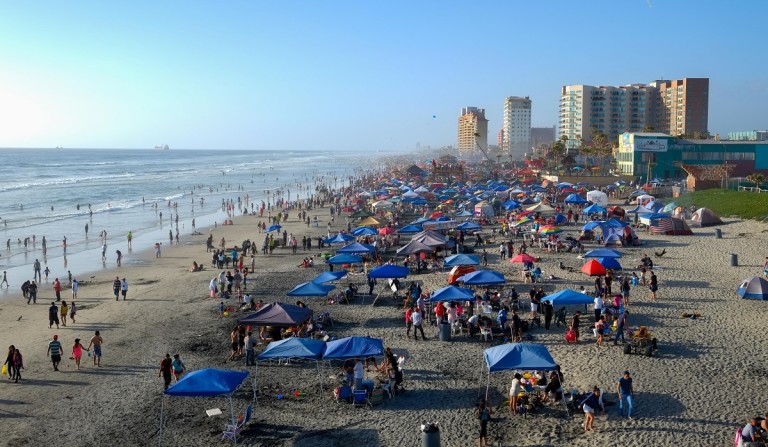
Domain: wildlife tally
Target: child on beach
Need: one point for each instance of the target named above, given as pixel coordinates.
(77, 352)
(484, 415)
(64, 310)
(178, 367)
(221, 310)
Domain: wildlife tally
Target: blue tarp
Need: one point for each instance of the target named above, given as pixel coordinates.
(273, 228)
(452, 293)
(568, 297)
(294, 348)
(603, 253)
(344, 259)
(461, 259)
(519, 356)
(351, 347)
(311, 288)
(207, 383)
(755, 288)
(329, 276)
(482, 278)
(389, 271)
(355, 248)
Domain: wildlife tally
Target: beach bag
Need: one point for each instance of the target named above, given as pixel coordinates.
(5, 370)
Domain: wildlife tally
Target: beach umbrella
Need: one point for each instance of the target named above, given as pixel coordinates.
(593, 268)
(603, 253)
(610, 263)
(755, 288)
(340, 238)
(410, 229)
(344, 259)
(452, 293)
(311, 289)
(522, 221)
(364, 231)
(461, 259)
(523, 258)
(329, 276)
(386, 231)
(482, 278)
(550, 229)
(273, 228)
(355, 248)
(388, 271)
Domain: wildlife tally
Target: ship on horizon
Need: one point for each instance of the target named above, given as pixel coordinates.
(164, 147)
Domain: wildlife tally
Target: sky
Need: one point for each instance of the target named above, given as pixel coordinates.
(349, 75)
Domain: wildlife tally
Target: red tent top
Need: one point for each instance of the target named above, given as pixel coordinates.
(593, 268)
(523, 258)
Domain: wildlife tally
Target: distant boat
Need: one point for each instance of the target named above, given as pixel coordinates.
(163, 147)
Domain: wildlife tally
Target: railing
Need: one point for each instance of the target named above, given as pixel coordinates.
(752, 189)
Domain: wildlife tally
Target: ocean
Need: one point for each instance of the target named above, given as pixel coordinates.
(57, 192)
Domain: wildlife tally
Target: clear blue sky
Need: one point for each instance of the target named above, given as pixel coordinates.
(349, 74)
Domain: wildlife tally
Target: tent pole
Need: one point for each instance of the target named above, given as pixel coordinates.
(319, 377)
(487, 385)
(255, 385)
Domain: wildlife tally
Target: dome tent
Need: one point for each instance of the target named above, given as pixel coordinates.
(705, 217)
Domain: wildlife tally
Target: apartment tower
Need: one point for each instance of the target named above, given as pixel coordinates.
(517, 127)
(473, 131)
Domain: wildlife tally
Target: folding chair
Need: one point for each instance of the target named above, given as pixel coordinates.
(388, 388)
(231, 431)
(486, 332)
(360, 398)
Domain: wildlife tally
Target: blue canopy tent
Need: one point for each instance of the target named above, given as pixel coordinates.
(461, 259)
(482, 278)
(364, 231)
(613, 223)
(344, 259)
(594, 209)
(517, 356)
(568, 297)
(755, 288)
(464, 213)
(340, 238)
(273, 228)
(352, 347)
(469, 226)
(208, 382)
(575, 199)
(410, 229)
(387, 271)
(603, 253)
(329, 276)
(355, 248)
(590, 226)
(294, 348)
(311, 288)
(452, 293)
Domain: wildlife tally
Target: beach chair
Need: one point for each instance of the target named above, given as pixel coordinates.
(360, 398)
(342, 393)
(232, 431)
(486, 332)
(388, 388)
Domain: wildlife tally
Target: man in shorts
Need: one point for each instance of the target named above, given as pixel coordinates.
(116, 288)
(54, 352)
(96, 342)
(124, 287)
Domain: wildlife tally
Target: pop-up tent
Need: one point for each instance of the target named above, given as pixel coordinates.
(598, 198)
(355, 248)
(461, 259)
(755, 288)
(294, 348)
(329, 276)
(705, 217)
(482, 278)
(344, 259)
(568, 297)
(517, 356)
(603, 253)
(430, 238)
(278, 315)
(484, 209)
(206, 383)
(340, 238)
(352, 347)
(452, 293)
(575, 199)
(311, 288)
(414, 247)
(387, 271)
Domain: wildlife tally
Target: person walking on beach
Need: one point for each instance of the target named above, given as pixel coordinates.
(32, 293)
(5, 279)
(178, 367)
(592, 403)
(116, 288)
(64, 309)
(103, 252)
(37, 269)
(53, 316)
(96, 342)
(119, 257)
(72, 311)
(418, 326)
(124, 287)
(69, 275)
(620, 323)
(626, 394)
(46, 272)
(77, 352)
(130, 239)
(9, 364)
(64, 245)
(54, 352)
(166, 368)
(654, 286)
(18, 365)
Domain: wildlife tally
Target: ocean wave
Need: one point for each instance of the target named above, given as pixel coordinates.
(63, 181)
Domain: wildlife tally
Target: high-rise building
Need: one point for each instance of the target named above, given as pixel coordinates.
(543, 135)
(517, 127)
(473, 131)
(672, 107)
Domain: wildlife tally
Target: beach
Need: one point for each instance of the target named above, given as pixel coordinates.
(701, 384)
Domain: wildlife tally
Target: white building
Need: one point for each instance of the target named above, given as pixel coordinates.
(516, 136)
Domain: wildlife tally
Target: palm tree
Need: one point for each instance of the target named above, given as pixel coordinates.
(756, 178)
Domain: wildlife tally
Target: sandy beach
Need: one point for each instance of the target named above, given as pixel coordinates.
(703, 382)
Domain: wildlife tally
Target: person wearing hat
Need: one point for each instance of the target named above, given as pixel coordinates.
(626, 392)
(54, 352)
